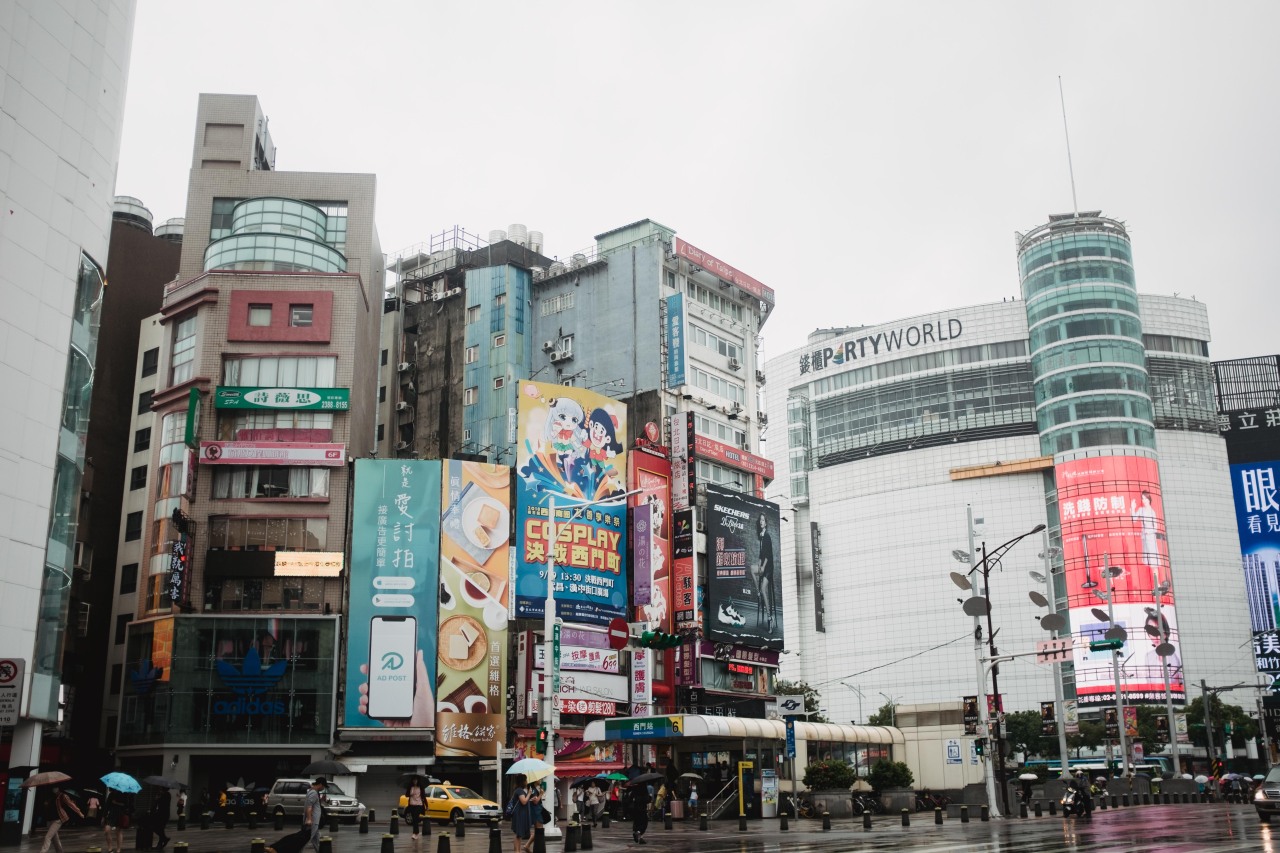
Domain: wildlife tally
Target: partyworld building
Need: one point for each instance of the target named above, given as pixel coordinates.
(1085, 407)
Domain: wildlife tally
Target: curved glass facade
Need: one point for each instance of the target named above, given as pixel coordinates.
(275, 234)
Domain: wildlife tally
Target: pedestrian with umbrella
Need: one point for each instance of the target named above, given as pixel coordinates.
(63, 806)
(638, 800)
(116, 821)
(158, 819)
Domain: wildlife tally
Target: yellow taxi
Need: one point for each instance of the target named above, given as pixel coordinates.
(448, 802)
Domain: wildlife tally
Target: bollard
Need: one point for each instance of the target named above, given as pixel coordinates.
(1039, 811)
(782, 822)
(1165, 799)
(985, 814)
(333, 823)
(571, 836)
(539, 841)
(459, 827)
(258, 845)
(1053, 806)
(866, 819)
(394, 829)
(180, 847)
(702, 823)
(666, 821)
(937, 816)
(182, 822)
(1124, 800)
(906, 818)
(826, 821)
(424, 824)
(586, 843)
(964, 817)
(205, 817)
(1022, 810)
(1102, 802)
(1115, 801)
(495, 837)
(279, 821)
(1146, 799)
(373, 816)
(742, 823)
(388, 843)
(253, 820)
(326, 844)
(229, 820)
(442, 846)
(605, 820)
(364, 824)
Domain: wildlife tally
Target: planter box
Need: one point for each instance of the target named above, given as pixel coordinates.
(895, 800)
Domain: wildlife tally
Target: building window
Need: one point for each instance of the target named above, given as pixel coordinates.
(382, 393)
(499, 381)
(269, 481)
(138, 478)
(466, 435)
(469, 396)
(385, 355)
(300, 315)
(122, 622)
(556, 304)
(500, 300)
(133, 526)
(184, 350)
(499, 341)
(473, 314)
(268, 534)
(144, 402)
(142, 440)
(382, 432)
(566, 344)
(117, 672)
(281, 371)
(259, 315)
(671, 280)
(128, 578)
(472, 355)
(150, 361)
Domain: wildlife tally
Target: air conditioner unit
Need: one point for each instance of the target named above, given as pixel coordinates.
(548, 346)
(734, 364)
(404, 366)
(702, 527)
(402, 407)
(403, 445)
(436, 297)
(560, 355)
(762, 419)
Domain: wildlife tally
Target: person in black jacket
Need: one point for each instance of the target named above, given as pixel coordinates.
(639, 805)
(1084, 794)
(160, 807)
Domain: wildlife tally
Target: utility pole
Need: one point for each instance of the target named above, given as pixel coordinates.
(1208, 722)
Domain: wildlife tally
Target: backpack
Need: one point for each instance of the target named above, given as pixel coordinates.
(510, 810)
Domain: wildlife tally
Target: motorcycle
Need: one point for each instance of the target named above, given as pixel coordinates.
(1068, 802)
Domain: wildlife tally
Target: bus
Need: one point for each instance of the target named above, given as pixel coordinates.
(1154, 766)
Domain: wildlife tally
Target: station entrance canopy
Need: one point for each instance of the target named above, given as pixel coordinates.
(701, 726)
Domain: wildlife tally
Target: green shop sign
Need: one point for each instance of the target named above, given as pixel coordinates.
(643, 728)
(312, 399)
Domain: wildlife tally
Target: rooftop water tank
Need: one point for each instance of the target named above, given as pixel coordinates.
(497, 235)
(535, 241)
(171, 229)
(518, 234)
(131, 211)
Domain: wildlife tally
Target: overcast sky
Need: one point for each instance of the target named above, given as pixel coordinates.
(869, 161)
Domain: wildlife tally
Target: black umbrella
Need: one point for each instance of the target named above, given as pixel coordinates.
(162, 782)
(645, 778)
(423, 779)
(326, 768)
(581, 783)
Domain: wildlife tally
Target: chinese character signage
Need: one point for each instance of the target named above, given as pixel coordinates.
(676, 341)
(651, 546)
(1112, 515)
(571, 451)
(877, 343)
(395, 583)
(272, 453)
(647, 729)
(683, 466)
(1258, 522)
(723, 271)
(474, 598)
(744, 599)
(684, 588)
(309, 399)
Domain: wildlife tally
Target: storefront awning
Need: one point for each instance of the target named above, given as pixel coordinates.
(736, 728)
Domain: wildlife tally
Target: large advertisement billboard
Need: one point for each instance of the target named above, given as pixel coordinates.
(570, 450)
(651, 474)
(474, 597)
(395, 579)
(676, 341)
(1113, 542)
(744, 597)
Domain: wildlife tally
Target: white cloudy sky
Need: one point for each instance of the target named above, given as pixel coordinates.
(869, 161)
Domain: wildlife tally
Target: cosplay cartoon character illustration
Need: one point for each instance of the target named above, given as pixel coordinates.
(603, 430)
(566, 437)
(569, 453)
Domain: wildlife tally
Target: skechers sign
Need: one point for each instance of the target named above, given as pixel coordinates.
(249, 682)
(881, 343)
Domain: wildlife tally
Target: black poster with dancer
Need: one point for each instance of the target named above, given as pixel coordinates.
(744, 594)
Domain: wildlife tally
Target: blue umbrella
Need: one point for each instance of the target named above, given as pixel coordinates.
(122, 782)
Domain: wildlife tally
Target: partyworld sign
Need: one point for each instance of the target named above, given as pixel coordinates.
(881, 343)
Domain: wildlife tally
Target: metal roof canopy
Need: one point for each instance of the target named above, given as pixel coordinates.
(705, 726)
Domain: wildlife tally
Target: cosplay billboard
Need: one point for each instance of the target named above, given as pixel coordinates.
(1114, 543)
(651, 547)
(395, 575)
(744, 600)
(475, 534)
(570, 453)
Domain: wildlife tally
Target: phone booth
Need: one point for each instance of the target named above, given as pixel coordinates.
(14, 803)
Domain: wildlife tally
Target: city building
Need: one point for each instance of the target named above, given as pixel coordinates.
(263, 394)
(1083, 406)
(65, 68)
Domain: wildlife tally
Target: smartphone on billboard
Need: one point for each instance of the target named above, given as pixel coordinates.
(393, 647)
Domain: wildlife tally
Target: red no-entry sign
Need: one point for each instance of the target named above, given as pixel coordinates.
(619, 633)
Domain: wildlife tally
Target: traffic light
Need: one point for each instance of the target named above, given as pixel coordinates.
(980, 745)
(541, 747)
(1105, 645)
(659, 640)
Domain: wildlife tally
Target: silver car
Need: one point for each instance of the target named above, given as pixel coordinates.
(289, 797)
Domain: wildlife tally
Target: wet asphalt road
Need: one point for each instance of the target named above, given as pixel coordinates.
(1194, 828)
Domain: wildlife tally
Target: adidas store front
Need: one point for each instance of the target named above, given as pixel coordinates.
(223, 700)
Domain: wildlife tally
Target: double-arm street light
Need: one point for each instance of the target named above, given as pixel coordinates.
(1053, 621)
(978, 605)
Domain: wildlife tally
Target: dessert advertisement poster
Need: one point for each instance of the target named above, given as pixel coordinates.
(474, 594)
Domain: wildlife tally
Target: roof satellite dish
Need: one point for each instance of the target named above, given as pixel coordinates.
(976, 605)
(1115, 571)
(1037, 599)
(1153, 630)
(1037, 577)
(1115, 632)
(1165, 649)
(961, 580)
(1099, 614)
(1053, 621)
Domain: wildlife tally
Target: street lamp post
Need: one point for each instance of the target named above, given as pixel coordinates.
(1158, 592)
(551, 671)
(1054, 622)
(893, 707)
(976, 606)
(1115, 632)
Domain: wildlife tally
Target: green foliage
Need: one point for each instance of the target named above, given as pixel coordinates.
(1152, 739)
(1243, 726)
(812, 698)
(890, 774)
(1022, 733)
(1090, 737)
(884, 717)
(829, 775)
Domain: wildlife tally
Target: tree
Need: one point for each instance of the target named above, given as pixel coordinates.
(812, 698)
(886, 716)
(1152, 739)
(890, 774)
(1023, 732)
(1090, 737)
(829, 775)
(1243, 726)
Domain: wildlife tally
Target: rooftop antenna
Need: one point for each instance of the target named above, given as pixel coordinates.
(1075, 207)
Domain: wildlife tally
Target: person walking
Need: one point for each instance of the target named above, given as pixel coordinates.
(639, 803)
(160, 807)
(594, 802)
(63, 807)
(416, 805)
(521, 807)
(693, 799)
(312, 811)
(113, 825)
